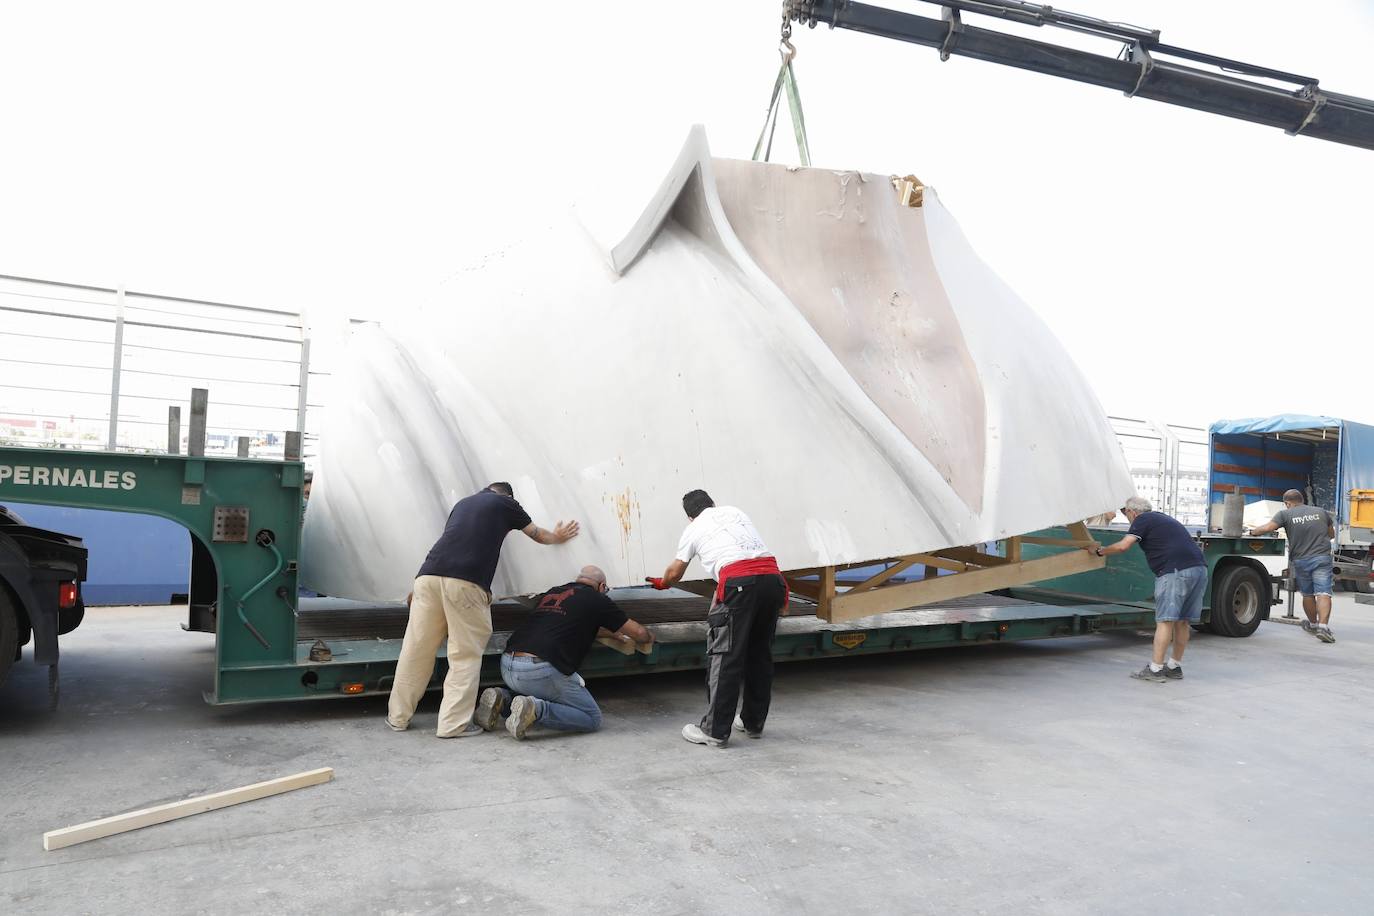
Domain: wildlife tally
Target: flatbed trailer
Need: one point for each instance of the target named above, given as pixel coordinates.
(244, 517)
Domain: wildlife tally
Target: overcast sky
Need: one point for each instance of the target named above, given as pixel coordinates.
(348, 157)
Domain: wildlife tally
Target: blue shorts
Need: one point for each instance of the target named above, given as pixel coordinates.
(1313, 575)
(1178, 595)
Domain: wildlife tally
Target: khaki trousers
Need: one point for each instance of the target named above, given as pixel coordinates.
(442, 608)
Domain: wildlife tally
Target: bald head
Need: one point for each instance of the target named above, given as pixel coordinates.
(1293, 498)
(593, 576)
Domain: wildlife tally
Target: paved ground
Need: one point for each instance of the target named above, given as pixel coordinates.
(1031, 778)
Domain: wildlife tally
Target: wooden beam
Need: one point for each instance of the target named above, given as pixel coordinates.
(1059, 542)
(1014, 549)
(935, 561)
(826, 597)
(623, 646)
(973, 556)
(883, 576)
(704, 588)
(146, 817)
(810, 590)
(914, 594)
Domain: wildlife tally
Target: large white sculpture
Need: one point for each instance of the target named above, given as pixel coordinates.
(795, 341)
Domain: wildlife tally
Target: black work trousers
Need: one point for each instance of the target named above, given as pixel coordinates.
(739, 652)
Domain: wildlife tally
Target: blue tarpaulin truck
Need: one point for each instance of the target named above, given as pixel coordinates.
(1330, 460)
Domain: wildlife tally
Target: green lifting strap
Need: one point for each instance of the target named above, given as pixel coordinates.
(787, 79)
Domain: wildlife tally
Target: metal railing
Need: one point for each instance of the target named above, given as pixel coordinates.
(94, 367)
(1168, 463)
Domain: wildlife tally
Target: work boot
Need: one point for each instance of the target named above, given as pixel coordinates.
(694, 734)
(1146, 674)
(489, 709)
(469, 730)
(739, 727)
(1173, 674)
(522, 716)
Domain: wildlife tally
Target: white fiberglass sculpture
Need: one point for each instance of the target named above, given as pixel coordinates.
(797, 342)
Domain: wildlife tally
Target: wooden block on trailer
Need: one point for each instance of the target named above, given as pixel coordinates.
(623, 646)
(159, 814)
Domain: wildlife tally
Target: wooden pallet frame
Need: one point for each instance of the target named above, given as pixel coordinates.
(974, 572)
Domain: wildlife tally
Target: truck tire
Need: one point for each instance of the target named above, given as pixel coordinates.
(9, 633)
(1238, 601)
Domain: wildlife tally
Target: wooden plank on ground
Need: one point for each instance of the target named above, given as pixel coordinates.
(159, 814)
(913, 594)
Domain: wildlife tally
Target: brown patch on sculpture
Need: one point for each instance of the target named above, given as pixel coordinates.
(858, 266)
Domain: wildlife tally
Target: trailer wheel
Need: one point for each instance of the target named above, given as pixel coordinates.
(9, 634)
(1238, 601)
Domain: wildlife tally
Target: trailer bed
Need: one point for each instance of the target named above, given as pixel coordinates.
(363, 640)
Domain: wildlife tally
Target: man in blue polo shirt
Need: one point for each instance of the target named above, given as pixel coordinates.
(1180, 583)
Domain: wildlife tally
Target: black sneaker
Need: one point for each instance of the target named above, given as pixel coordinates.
(1145, 674)
(1173, 674)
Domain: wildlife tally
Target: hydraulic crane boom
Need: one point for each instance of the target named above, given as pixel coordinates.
(1137, 70)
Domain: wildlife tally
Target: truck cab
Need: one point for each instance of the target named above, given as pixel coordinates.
(41, 573)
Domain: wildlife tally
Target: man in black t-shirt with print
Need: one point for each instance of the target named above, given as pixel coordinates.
(542, 657)
(451, 599)
(1180, 583)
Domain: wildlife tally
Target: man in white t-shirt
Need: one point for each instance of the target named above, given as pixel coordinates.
(750, 594)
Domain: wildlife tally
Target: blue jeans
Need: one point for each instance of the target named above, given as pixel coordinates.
(561, 700)
(1313, 575)
(1178, 594)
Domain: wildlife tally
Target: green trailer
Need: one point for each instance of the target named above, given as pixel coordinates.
(244, 517)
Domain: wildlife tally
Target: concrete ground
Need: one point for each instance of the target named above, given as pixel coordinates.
(1025, 778)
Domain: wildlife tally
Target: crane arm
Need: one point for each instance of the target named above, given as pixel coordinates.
(1139, 69)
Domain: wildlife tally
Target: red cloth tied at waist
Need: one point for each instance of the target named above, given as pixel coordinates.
(758, 566)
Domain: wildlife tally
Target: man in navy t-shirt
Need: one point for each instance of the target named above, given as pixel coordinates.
(451, 600)
(1180, 583)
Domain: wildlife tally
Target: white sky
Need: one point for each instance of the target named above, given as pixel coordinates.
(349, 157)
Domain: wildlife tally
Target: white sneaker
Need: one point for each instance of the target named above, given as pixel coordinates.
(488, 713)
(694, 734)
(739, 727)
(1324, 633)
(522, 716)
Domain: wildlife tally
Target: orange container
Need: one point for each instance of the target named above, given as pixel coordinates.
(1362, 508)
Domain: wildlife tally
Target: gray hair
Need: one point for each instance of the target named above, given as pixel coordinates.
(1138, 504)
(592, 575)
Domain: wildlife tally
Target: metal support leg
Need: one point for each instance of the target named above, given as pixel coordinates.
(174, 430)
(200, 406)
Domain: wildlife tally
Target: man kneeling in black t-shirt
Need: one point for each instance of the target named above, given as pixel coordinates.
(543, 654)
